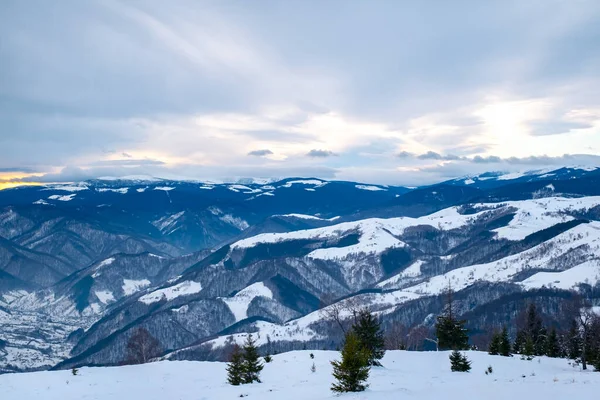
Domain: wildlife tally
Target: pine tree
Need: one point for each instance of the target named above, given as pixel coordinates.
(541, 342)
(552, 345)
(504, 345)
(520, 340)
(370, 335)
(353, 370)
(529, 348)
(451, 332)
(235, 369)
(252, 365)
(494, 348)
(459, 362)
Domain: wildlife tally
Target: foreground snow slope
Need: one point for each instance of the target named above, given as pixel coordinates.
(405, 375)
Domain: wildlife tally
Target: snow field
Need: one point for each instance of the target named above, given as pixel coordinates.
(404, 375)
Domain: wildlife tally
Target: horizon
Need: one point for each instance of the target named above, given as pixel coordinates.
(266, 180)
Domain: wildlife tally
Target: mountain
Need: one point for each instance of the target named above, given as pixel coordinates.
(200, 264)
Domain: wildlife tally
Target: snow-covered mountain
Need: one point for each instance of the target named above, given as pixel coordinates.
(200, 264)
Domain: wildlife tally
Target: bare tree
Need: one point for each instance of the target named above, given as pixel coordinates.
(581, 309)
(338, 311)
(142, 347)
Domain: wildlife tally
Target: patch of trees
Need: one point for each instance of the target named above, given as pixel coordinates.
(142, 347)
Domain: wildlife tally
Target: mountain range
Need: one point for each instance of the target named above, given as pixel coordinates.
(199, 264)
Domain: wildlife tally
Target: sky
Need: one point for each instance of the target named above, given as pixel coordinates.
(388, 92)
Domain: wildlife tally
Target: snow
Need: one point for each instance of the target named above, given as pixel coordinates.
(412, 271)
(469, 181)
(235, 221)
(115, 190)
(514, 175)
(131, 286)
(68, 188)
(167, 224)
(164, 188)
(104, 296)
(587, 272)
(68, 197)
(243, 188)
(376, 234)
(238, 304)
(535, 215)
(40, 201)
(551, 187)
(369, 187)
(404, 375)
(141, 190)
(313, 182)
(172, 292)
(206, 187)
(304, 216)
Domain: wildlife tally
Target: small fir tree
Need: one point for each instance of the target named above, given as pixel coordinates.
(459, 362)
(252, 365)
(494, 348)
(75, 371)
(504, 345)
(370, 335)
(352, 371)
(529, 348)
(552, 344)
(235, 369)
(313, 368)
(268, 358)
(451, 332)
(520, 340)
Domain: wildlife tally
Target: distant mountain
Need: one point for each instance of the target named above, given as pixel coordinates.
(199, 263)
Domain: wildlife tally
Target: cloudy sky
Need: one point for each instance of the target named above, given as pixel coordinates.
(393, 92)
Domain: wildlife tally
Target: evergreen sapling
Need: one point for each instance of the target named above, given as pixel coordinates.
(353, 369)
(252, 365)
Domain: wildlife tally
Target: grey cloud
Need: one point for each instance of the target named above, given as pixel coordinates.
(556, 127)
(486, 160)
(405, 154)
(126, 155)
(16, 169)
(432, 155)
(320, 153)
(260, 153)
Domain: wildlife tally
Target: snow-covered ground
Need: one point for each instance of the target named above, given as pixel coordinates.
(405, 375)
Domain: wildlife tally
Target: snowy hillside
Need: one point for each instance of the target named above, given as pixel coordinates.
(77, 276)
(404, 375)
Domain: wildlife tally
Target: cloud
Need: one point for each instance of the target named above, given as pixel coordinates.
(192, 87)
(432, 155)
(405, 154)
(16, 169)
(320, 153)
(127, 162)
(260, 153)
(557, 127)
